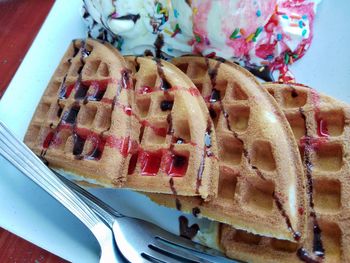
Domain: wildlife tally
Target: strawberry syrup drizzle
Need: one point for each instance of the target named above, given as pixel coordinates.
(322, 126)
(172, 163)
(69, 118)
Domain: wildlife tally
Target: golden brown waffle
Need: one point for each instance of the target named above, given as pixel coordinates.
(77, 126)
(87, 123)
(176, 133)
(321, 127)
(261, 183)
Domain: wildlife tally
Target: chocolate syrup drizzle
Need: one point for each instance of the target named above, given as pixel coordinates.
(318, 248)
(131, 17)
(196, 211)
(164, 84)
(186, 231)
(212, 72)
(158, 44)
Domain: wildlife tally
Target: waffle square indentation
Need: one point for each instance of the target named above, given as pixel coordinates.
(143, 106)
(329, 157)
(332, 239)
(242, 236)
(327, 195)
(283, 245)
(230, 150)
(330, 123)
(260, 196)
(91, 67)
(238, 117)
(262, 156)
(227, 183)
(87, 115)
(238, 93)
(297, 124)
(293, 98)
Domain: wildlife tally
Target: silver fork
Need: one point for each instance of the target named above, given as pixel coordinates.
(27, 162)
(137, 240)
(128, 229)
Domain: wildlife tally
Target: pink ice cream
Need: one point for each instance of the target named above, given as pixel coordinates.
(259, 34)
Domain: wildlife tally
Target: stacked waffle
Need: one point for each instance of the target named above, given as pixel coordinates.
(204, 136)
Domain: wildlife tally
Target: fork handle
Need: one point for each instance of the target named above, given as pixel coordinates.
(26, 161)
(106, 212)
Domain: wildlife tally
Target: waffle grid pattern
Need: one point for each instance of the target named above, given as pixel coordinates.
(171, 132)
(87, 123)
(73, 120)
(327, 123)
(245, 196)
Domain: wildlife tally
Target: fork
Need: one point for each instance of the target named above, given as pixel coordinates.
(137, 240)
(155, 238)
(17, 153)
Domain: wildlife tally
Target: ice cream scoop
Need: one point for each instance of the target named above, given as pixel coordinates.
(264, 36)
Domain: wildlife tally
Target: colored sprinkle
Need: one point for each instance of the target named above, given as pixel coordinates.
(301, 24)
(304, 32)
(176, 31)
(250, 37)
(198, 38)
(304, 17)
(286, 58)
(168, 31)
(265, 62)
(234, 33)
(294, 25)
(158, 7)
(177, 27)
(269, 57)
(170, 49)
(242, 31)
(176, 13)
(261, 69)
(195, 11)
(285, 17)
(295, 16)
(164, 11)
(258, 31)
(258, 13)
(295, 56)
(279, 37)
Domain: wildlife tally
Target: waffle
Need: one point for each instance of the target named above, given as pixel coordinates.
(92, 123)
(261, 176)
(76, 126)
(171, 115)
(321, 126)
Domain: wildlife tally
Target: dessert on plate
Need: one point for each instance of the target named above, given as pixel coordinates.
(268, 163)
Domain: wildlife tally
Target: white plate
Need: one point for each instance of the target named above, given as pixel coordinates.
(29, 212)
